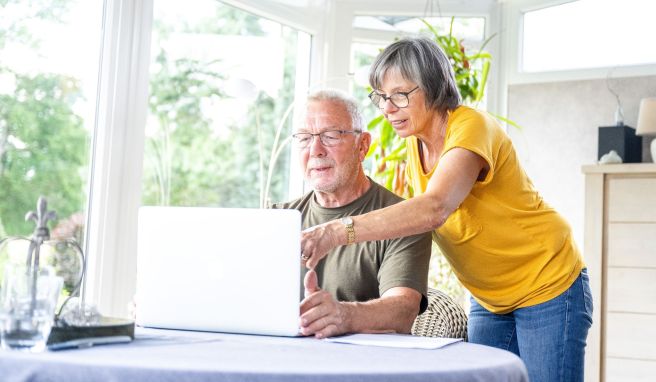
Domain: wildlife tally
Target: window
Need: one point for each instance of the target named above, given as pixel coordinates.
(221, 83)
(362, 56)
(469, 30)
(566, 37)
(48, 77)
(466, 28)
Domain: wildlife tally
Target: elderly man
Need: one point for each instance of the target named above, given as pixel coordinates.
(377, 286)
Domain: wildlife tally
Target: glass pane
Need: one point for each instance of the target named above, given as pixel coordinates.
(469, 31)
(221, 81)
(467, 28)
(362, 55)
(620, 33)
(49, 53)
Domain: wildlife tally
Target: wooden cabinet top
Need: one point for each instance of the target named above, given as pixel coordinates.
(622, 168)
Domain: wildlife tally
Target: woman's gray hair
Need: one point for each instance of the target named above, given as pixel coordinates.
(349, 103)
(422, 61)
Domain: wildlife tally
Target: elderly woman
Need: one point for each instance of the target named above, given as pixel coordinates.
(508, 247)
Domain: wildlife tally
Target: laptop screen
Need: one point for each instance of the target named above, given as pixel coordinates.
(219, 269)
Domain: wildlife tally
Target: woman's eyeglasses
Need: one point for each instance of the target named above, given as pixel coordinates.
(399, 99)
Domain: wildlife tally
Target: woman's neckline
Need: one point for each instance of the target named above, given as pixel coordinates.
(420, 148)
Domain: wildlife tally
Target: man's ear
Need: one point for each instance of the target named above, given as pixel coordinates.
(365, 142)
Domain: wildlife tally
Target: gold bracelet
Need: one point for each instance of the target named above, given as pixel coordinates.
(350, 231)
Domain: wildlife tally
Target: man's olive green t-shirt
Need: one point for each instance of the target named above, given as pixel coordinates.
(364, 271)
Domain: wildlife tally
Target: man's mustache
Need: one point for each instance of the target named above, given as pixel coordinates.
(320, 162)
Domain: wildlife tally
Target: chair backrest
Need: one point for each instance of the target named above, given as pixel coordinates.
(443, 318)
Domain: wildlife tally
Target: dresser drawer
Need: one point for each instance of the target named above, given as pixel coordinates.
(631, 336)
(631, 290)
(631, 199)
(632, 244)
(623, 370)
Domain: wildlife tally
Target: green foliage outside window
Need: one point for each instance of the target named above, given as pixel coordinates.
(44, 145)
(43, 149)
(43, 142)
(191, 159)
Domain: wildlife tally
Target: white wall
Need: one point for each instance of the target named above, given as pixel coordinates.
(559, 133)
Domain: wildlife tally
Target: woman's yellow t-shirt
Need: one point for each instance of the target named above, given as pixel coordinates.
(505, 244)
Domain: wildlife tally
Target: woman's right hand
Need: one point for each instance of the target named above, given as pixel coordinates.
(317, 241)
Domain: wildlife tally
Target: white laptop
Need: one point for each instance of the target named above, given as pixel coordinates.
(219, 269)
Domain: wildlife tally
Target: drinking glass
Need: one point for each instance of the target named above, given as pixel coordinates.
(27, 308)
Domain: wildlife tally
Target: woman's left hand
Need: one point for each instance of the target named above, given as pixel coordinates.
(317, 241)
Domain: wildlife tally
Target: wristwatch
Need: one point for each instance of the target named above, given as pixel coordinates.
(350, 231)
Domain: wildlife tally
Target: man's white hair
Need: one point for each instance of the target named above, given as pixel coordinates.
(349, 103)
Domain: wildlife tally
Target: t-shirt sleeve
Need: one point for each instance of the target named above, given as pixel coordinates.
(476, 132)
(406, 264)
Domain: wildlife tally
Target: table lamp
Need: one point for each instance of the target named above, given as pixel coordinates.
(647, 122)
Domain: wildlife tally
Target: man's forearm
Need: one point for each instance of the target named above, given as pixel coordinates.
(385, 314)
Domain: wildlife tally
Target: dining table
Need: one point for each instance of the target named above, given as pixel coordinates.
(192, 356)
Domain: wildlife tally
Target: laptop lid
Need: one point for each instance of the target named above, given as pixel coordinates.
(219, 269)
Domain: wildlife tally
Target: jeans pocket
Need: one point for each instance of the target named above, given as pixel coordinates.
(587, 294)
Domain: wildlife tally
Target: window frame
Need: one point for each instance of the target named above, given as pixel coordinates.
(341, 39)
(513, 15)
(115, 182)
(118, 143)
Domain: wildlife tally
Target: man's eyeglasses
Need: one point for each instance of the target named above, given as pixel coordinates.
(328, 138)
(399, 99)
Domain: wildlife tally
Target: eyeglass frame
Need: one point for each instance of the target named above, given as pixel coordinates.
(386, 98)
(321, 135)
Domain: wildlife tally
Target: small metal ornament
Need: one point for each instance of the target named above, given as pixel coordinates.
(74, 323)
(41, 233)
(41, 239)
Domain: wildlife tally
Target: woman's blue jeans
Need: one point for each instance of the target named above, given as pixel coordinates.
(549, 337)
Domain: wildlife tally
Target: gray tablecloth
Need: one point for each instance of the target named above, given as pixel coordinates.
(182, 356)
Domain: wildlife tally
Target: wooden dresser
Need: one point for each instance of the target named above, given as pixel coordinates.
(620, 251)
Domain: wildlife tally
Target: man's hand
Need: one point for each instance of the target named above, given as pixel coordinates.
(321, 315)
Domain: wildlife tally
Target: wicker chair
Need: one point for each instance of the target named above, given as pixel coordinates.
(443, 318)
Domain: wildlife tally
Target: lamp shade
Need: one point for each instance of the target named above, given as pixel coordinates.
(647, 117)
